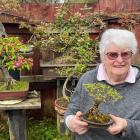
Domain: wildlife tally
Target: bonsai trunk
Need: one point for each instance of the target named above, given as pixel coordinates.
(7, 78)
(65, 88)
(96, 116)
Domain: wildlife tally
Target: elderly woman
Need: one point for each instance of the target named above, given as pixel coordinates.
(117, 47)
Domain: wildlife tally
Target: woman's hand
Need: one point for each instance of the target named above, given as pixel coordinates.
(119, 124)
(77, 125)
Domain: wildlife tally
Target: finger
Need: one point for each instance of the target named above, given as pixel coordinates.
(81, 123)
(114, 129)
(78, 114)
(114, 118)
(113, 132)
(82, 132)
(80, 128)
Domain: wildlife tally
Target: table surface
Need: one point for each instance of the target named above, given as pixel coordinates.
(29, 103)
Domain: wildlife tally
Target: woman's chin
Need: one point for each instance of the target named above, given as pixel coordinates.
(119, 72)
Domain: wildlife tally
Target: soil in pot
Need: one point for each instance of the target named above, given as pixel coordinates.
(18, 90)
(96, 119)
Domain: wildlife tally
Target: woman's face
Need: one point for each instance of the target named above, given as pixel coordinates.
(117, 60)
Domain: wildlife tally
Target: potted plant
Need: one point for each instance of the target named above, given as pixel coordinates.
(68, 42)
(77, 49)
(78, 53)
(11, 54)
(12, 61)
(100, 93)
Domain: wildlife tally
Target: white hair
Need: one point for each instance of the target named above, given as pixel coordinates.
(119, 37)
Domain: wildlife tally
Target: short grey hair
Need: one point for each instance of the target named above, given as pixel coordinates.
(120, 37)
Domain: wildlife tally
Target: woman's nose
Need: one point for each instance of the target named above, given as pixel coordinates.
(119, 58)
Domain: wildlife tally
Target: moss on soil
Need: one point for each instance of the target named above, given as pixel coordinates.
(17, 86)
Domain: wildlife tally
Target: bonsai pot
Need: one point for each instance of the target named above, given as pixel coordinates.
(16, 93)
(97, 120)
(61, 105)
(13, 95)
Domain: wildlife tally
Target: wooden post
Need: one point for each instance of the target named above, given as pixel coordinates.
(17, 116)
(17, 124)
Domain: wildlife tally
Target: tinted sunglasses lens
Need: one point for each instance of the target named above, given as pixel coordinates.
(112, 55)
(126, 55)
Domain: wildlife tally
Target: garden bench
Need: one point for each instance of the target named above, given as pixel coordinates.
(17, 116)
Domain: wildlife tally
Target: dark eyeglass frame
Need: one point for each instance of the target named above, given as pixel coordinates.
(115, 55)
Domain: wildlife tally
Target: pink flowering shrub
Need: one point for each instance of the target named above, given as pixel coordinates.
(11, 56)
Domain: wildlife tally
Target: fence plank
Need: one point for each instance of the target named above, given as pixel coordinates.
(107, 5)
(125, 5)
(136, 5)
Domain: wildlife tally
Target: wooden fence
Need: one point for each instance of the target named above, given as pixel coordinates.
(46, 12)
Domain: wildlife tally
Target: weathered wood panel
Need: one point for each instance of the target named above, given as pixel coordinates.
(45, 12)
(136, 5)
(136, 59)
(123, 5)
(31, 103)
(107, 5)
(48, 95)
(17, 117)
(17, 124)
(38, 11)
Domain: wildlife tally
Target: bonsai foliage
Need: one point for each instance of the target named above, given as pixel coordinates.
(68, 35)
(12, 58)
(11, 54)
(9, 5)
(100, 93)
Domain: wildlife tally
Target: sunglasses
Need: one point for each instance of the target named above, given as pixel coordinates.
(114, 55)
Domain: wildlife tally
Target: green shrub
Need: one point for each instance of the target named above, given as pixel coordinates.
(37, 130)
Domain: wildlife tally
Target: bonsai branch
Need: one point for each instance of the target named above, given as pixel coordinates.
(65, 89)
(7, 78)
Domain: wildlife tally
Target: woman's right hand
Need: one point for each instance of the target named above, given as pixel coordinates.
(77, 125)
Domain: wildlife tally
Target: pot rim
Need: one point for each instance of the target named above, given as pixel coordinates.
(95, 124)
(57, 105)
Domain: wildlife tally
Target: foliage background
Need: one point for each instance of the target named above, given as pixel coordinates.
(37, 130)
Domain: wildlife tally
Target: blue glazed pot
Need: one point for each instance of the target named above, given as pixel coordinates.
(15, 74)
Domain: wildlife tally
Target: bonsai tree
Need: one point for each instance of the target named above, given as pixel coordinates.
(73, 41)
(12, 58)
(68, 36)
(11, 54)
(100, 93)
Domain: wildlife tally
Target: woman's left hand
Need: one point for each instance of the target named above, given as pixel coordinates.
(119, 124)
